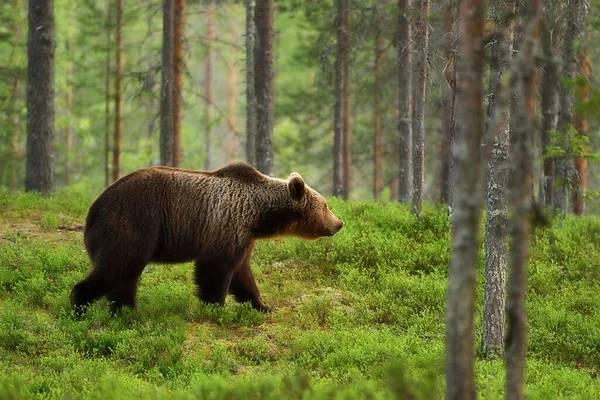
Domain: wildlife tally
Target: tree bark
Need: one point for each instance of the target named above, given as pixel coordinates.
(250, 95)
(208, 81)
(566, 104)
(107, 99)
(467, 205)
(40, 97)
(377, 179)
(338, 120)
(550, 105)
(68, 101)
(167, 87)
(232, 81)
(581, 122)
(447, 100)
(118, 77)
(178, 68)
(421, 65)
(347, 159)
(405, 172)
(263, 85)
(496, 248)
(522, 153)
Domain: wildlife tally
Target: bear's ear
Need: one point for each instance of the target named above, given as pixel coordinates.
(296, 186)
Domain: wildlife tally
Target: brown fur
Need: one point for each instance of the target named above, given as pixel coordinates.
(174, 215)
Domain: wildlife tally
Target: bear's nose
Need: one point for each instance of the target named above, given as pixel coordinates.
(342, 225)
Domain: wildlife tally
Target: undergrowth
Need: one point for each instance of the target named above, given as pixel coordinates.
(359, 315)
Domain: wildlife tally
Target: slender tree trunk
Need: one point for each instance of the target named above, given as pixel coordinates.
(447, 96)
(232, 79)
(250, 95)
(566, 103)
(167, 87)
(454, 37)
(581, 121)
(405, 176)
(263, 85)
(107, 99)
(118, 77)
(68, 101)
(522, 153)
(421, 65)
(338, 122)
(40, 97)
(496, 249)
(178, 68)
(377, 179)
(208, 80)
(467, 205)
(550, 105)
(346, 137)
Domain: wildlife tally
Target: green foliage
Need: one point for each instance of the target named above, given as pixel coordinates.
(359, 315)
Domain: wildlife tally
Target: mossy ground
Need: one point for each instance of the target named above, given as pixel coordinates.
(360, 315)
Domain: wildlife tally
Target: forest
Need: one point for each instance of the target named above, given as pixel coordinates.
(456, 139)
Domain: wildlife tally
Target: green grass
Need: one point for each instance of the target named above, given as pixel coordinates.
(360, 315)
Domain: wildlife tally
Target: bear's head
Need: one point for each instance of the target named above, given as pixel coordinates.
(316, 219)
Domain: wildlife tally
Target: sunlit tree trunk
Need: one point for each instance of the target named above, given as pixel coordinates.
(167, 87)
(263, 85)
(421, 66)
(68, 100)
(377, 179)
(208, 81)
(232, 93)
(338, 122)
(549, 110)
(347, 133)
(565, 118)
(496, 249)
(107, 98)
(447, 97)
(522, 155)
(178, 68)
(118, 77)
(581, 122)
(467, 205)
(250, 95)
(404, 68)
(40, 97)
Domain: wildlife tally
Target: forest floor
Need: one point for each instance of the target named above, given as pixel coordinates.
(359, 315)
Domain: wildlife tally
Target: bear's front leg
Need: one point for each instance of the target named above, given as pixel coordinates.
(243, 287)
(213, 277)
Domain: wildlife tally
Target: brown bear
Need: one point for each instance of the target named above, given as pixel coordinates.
(173, 215)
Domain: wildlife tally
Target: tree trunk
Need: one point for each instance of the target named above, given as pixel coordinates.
(347, 160)
(377, 179)
(68, 100)
(405, 175)
(454, 37)
(40, 97)
(167, 87)
(232, 79)
(467, 205)
(178, 68)
(208, 80)
(522, 153)
(550, 106)
(263, 85)
(581, 120)
(338, 122)
(566, 104)
(447, 97)
(421, 65)
(250, 95)
(107, 100)
(496, 249)
(118, 77)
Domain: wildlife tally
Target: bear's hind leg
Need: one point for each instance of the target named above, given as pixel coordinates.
(243, 287)
(123, 295)
(87, 291)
